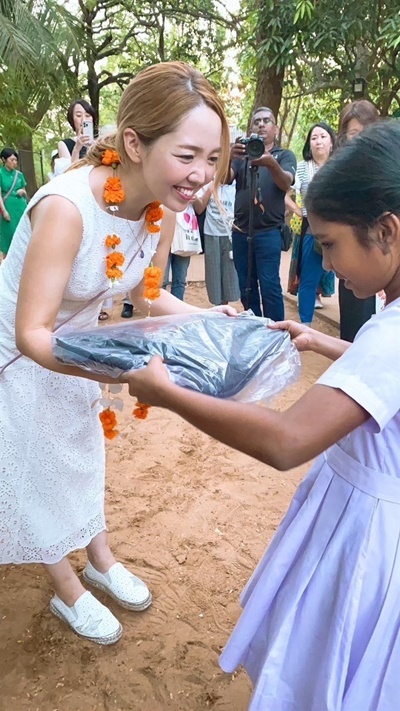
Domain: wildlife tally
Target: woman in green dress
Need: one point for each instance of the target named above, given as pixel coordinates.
(12, 197)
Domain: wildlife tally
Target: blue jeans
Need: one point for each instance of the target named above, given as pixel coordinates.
(179, 266)
(265, 277)
(311, 271)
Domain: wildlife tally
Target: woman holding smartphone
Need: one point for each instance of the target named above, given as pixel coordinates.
(81, 117)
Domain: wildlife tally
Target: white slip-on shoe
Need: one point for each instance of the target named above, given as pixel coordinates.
(88, 618)
(124, 587)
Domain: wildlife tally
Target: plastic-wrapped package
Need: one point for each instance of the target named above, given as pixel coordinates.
(238, 358)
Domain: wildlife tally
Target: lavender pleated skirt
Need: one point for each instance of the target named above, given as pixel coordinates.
(320, 629)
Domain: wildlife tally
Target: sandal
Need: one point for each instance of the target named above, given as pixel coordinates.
(103, 316)
(124, 587)
(88, 618)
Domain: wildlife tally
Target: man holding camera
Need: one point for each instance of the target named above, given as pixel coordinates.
(257, 249)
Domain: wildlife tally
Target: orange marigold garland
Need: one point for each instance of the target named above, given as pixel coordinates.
(113, 196)
(108, 419)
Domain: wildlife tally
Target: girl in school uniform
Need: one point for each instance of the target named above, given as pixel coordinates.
(320, 629)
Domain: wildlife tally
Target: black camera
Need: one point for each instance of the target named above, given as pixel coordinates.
(254, 146)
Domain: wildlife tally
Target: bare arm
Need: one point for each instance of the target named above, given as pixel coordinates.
(63, 151)
(280, 439)
(282, 178)
(201, 203)
(291, 205)
(3, 208)
(55, 242)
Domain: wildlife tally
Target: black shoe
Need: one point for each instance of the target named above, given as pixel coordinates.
(127, 311)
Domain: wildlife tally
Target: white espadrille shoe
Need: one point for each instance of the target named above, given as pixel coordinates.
(88, 618)
(124, 587)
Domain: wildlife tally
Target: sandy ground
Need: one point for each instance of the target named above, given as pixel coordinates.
(190, 516)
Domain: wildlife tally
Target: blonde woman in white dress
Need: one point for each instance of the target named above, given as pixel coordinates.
(51, 441)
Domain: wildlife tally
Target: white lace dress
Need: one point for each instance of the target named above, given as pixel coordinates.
(52, 464)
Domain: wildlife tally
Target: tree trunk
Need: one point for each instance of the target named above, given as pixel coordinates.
(27, 164)
(269, 88)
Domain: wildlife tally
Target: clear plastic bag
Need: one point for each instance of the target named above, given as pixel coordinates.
(238, 358)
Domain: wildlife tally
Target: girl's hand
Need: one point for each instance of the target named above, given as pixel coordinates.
(6, 216)
(224, 309)
(21, 192)
(301, 335)
(148, 384)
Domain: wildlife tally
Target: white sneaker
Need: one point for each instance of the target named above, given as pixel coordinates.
(88, 618)
(124, 587)
(318, 304)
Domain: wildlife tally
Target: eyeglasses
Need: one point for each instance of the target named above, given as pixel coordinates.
(267, 120)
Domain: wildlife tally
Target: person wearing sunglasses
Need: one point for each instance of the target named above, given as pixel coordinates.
(275, 175)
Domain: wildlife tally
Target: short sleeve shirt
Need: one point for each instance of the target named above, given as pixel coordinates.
(269, 212)
(369, 373)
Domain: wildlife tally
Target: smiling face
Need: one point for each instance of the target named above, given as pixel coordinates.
(179, 163)
(320, 144)
(365, 268)
(263, 123)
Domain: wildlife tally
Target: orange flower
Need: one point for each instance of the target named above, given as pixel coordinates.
(152, 283)
(153, 273)
(110, 157)
(112, 241)
(109, 421)
(114, 273)
(151, 294)
(141, 410)
(154, 212)
(115, 259)
(108, 418)
(113, 192)
(153, 229)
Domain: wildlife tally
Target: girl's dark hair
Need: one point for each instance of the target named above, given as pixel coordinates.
(363, 111)
(361, 181)
(85, 105)
(7, 152)
(307, 155)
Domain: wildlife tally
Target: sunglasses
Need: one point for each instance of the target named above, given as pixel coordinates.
(260, 121)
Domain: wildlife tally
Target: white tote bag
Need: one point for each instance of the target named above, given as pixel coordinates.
(186, 240)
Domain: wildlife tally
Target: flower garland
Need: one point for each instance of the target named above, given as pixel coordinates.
(113, 196)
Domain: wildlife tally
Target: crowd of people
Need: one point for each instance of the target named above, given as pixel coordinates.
(237, 264)
(328, 583)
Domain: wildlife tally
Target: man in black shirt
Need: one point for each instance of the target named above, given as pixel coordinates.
(276, 173)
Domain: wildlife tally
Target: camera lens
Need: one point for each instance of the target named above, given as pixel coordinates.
(255, 147)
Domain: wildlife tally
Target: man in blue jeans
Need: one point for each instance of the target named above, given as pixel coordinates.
(276, 173)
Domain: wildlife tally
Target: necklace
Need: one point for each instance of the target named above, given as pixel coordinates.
(140, 245)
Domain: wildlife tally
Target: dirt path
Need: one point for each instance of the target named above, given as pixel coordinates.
(190, 516)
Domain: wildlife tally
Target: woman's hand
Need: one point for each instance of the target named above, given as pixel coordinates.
(21, 192)
(82, 141)
(302, 336)
(148, 384)
(225, 309)
(6, 216)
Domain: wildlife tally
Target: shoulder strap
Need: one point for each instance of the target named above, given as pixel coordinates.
(7, 195)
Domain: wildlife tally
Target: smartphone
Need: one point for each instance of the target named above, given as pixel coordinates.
(87, 129)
